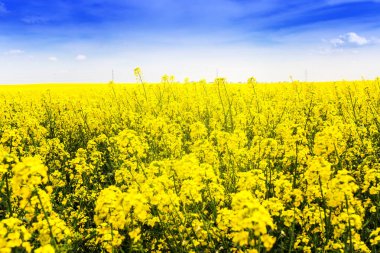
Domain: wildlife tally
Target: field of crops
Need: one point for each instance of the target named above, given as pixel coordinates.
(190, 167)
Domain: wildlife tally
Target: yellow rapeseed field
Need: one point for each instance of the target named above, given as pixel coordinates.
(190, 167)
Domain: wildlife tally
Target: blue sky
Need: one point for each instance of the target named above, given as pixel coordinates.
(83, 40)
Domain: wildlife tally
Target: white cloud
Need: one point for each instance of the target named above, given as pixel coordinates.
(356, 39)
(53, 58)
(350, 39)
(14, 52)
(81, 57)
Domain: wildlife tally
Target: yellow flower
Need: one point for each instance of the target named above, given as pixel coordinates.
(13, 234)
(375, 236)
(109, 208)
(135, 234)
(45, 249)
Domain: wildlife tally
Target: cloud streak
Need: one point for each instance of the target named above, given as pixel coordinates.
(260, 21)
(120, 19)
(197, 35)
(14, 52)
(32, 20)
(336, 2)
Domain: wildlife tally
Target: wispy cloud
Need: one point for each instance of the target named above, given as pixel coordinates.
(14, 52)
(303, 16)
(136, 32)
(32, 20)
(53, 58)
(156, 18)
(81, 57)
(3, 8)
(350, 39)
(334, 2)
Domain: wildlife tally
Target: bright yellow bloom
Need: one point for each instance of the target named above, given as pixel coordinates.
(45, 249)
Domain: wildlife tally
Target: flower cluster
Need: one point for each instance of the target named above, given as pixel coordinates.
(191, 167)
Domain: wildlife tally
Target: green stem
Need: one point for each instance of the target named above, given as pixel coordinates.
(8, 192)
